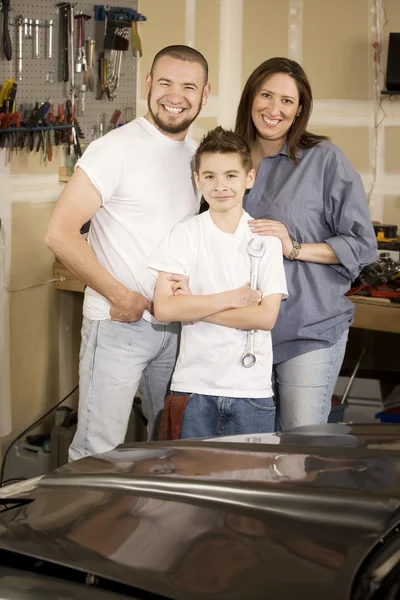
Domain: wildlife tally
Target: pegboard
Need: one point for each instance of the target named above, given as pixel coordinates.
(41, 77)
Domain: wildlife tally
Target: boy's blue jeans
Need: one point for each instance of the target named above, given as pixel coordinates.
(210, 416)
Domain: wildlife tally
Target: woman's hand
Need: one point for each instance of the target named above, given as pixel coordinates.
(180, 285)
(275, 228)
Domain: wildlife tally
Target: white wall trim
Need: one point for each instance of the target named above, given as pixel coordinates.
(230, 60)
(190, 23)
(35, 188)
(353, 113)
(5, 268)
(295, 30)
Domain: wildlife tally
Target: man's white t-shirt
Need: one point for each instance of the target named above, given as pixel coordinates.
(209, 359)
(146, 186)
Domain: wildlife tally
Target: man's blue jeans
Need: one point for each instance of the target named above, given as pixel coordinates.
(114, 359)
(209, 416)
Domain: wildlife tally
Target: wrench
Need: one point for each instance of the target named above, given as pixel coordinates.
(36, 53)
(19, 49)
(255, 249)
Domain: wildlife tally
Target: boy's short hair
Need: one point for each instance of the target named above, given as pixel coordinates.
(224, 141)
(181, 52)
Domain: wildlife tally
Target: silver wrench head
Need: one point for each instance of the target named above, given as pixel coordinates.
(256, 247)
(248, 360)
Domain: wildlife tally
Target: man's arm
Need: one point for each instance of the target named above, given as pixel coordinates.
(261, 317)
(187, 307)
(77, 204)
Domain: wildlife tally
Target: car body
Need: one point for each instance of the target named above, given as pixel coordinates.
(310, 513)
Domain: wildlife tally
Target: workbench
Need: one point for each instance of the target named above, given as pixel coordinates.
(376, 314)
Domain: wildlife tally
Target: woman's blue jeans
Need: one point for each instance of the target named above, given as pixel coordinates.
(304, 385)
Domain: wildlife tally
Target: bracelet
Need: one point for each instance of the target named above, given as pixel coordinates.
(293, 254)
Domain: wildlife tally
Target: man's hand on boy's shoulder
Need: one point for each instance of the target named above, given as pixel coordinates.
(130, 308)
(180, 285)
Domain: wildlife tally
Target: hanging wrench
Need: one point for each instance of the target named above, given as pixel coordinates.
(255, 249)
(36, 53)
(19, 23)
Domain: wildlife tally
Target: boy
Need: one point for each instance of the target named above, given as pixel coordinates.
(225, 398)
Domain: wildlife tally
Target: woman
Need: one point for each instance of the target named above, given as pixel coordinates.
(309, 195)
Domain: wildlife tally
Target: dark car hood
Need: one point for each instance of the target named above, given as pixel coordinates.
(216, 520)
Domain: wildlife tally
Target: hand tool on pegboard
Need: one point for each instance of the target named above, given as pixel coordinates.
(67, 32)
(63, 48)
(7, 46)
(114, 119)
(36, 34)
(49, 41)
(20, 24)
(118, 21)
(136, 42)
(49, 120)
(102, 79)
(8, 95)
(26, 31)
(89, 76)
(5, 94)
(80, 62)
(71, 19)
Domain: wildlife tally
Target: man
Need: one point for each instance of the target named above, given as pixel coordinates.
(134, 184)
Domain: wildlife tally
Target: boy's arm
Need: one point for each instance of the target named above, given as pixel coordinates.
(168, 307)
(261, 317)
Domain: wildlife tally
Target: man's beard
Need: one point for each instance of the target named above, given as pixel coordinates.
(171, 128)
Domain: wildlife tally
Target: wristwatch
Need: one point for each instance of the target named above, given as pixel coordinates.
(293, 254)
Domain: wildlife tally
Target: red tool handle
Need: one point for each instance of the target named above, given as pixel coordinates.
(80, 43)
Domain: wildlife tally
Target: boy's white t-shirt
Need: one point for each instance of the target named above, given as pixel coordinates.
(209, 360)
(146, 186)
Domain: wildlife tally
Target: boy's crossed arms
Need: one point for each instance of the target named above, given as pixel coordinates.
(242, 308)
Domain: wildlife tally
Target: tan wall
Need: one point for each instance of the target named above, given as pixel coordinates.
(33, 316)
(354, 141)
(265, 32)
(207, 37)
(392, 150)
(336, 53)
(391, 210)
(165, 25)
(335, 48)
(37, 348)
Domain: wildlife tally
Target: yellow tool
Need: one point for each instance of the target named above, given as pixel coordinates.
(136, 42)
(6, 90)
(385, 233)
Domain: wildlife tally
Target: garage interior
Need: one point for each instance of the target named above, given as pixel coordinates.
(343, 47)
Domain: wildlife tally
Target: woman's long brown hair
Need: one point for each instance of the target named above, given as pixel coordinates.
(297, 136)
